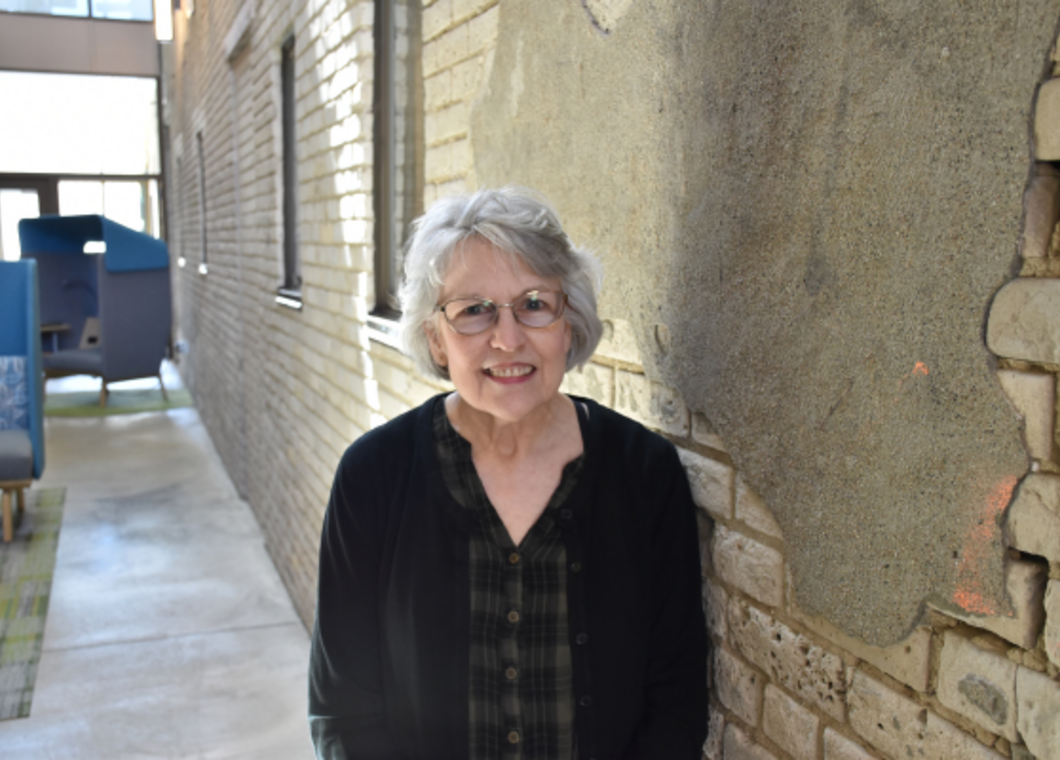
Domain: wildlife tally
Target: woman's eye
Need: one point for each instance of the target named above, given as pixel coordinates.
(533, 303)
(476, 309)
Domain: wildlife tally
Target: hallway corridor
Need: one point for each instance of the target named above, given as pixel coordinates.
(169, 633)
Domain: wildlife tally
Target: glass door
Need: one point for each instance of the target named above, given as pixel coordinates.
(21, 198)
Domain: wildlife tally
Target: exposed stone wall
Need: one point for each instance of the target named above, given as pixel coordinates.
(282, 392)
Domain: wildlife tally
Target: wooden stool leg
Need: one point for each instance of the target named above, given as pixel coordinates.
(103, 395)
(9, 530)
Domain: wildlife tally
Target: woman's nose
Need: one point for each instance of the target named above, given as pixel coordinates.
(507, 334)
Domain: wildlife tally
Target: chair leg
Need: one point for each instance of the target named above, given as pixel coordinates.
(5, 504)
(103, 394)
(165, 396)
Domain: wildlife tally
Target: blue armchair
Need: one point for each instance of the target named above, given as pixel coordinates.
(124, 290)
(21, 386)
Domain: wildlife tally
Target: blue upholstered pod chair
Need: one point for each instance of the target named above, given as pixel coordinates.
(21, 386)
(125, 288)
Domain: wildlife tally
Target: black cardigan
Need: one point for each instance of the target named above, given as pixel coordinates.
(389, 663)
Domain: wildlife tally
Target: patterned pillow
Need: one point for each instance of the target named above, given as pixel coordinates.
(14, 396)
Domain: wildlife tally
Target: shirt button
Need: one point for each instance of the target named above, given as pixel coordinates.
(511, 673)
(513, 616)
(513, 737)
(585, 701)
(581, 638)
(514, 558)
(576, 567)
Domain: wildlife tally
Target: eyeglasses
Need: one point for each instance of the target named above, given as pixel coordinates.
(535, 308)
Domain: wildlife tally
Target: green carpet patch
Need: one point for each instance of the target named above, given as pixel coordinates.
(26, 567)
(86, 403)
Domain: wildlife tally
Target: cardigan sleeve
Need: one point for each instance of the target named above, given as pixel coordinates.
(347, 712)
(674, 723)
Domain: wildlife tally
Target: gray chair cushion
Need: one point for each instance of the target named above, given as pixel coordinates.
(86, 360)
(16, 455)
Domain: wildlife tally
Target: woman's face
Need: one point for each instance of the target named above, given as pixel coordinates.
(508, 371)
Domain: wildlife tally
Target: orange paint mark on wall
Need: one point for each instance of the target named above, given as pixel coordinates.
(970, 591)
(920, 369)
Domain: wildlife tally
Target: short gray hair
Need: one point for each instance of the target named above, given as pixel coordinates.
(513, 219)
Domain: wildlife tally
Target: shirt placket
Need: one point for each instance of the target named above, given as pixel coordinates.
(510, 652)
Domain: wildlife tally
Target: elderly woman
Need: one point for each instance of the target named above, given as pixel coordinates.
(507, 571)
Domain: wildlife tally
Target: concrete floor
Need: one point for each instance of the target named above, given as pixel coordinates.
(169, 633)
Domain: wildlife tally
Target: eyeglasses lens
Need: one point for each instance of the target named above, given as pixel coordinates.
(534, 309)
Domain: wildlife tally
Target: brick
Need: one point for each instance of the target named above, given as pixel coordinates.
(789, 659)
(1032, 521)
(1047, 122)
(619, 342)
(437, 90)
(789, 725)
(467, 78)
(1033, 395)
(712, 747)
(900, 728)
(1022, 322)
(979, 685)
(652, 404)
(593, 381)
(436, 18)
(1041, 204)
(1019, 752)
(703, 432)
(711, 483)
(738, 746)
(945, 741)
(482, 30)
(751, 567)
(752, 511)
(715, 605)
(738, 686)
(446, 123)
(463, 9)
(1039, 708)
(1025, 586)
(838, 747)
(1052, 624)
(908, 661)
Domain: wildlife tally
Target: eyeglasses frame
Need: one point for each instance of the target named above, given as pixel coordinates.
(497, 314)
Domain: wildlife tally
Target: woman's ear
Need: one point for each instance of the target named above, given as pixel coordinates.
(434, 340)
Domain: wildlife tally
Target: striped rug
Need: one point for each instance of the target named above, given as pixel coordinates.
(26, 566)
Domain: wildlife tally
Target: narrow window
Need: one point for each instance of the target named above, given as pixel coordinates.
(398, 155)
(202, 201)
(290, 293)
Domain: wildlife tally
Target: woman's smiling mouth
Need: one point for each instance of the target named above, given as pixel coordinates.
(518, 370)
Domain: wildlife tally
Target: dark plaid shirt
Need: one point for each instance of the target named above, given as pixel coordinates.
(521, 681)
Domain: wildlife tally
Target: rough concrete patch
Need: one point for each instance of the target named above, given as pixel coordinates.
(819, 206)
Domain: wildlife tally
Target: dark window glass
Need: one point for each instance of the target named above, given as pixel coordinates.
(398, 139)
(292, 279)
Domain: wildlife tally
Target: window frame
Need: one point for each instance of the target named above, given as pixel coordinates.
(385, 196)
(290, 292)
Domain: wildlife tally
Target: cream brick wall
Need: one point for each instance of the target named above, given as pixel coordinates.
(283, 392)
